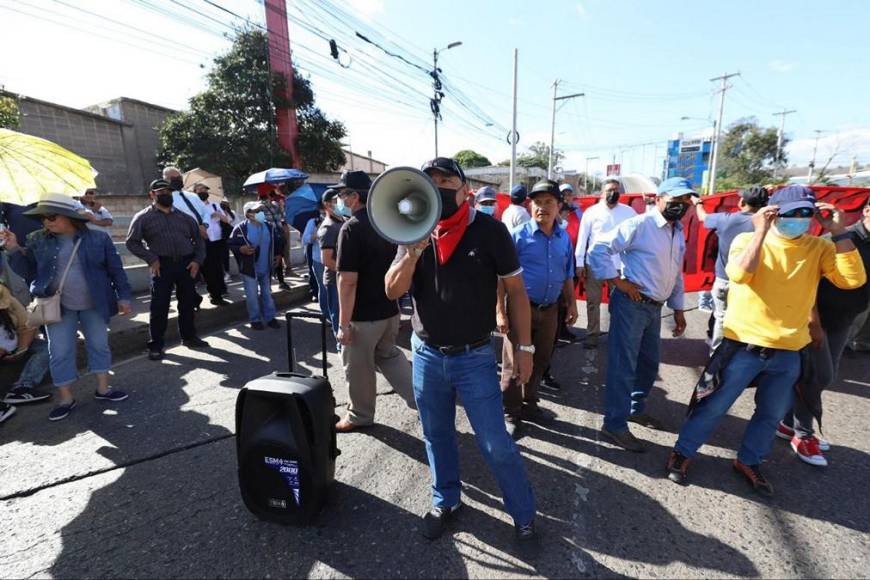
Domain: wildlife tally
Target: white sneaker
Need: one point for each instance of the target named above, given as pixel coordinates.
(807, 450)
(824, 444)
(6, 411)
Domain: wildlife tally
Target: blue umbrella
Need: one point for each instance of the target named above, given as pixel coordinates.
(274, 175)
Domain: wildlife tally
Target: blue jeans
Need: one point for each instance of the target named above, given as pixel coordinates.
(258, 297)
(474, 377)
(37, 365)
(327, 297)
(632, 358)
(775, 377)
(63, 342)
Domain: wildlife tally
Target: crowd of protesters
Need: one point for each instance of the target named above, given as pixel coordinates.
(784, 306)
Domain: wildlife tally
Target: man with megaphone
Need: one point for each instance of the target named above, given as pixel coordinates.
(453, 282)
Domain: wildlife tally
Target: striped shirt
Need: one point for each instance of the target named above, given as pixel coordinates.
(154, 233)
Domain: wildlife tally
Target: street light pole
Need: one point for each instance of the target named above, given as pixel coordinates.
(435, 102)
(513, 135)
(553, 124)
(586, 175)
(718, 128)
(779, 137)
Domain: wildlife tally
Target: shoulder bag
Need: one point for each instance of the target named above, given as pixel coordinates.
(47, 310)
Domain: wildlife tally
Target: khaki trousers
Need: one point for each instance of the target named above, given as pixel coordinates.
(374, 349)
(593, 287)
(545, 323)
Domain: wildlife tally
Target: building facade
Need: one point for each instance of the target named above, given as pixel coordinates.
(689, 157)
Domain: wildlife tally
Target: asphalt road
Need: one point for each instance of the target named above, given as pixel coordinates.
(147, 488)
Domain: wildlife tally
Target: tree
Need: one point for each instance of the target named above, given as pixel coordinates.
(468, 159)
(10, 117)
(748, 154)
(539, 156)
(230, 127)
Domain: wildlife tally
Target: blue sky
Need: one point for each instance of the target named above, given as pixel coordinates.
(642, 65)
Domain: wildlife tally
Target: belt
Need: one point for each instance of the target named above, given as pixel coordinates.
(765, 352)
(461, 349)
(165, 259)
(648, 300)
(537, 306)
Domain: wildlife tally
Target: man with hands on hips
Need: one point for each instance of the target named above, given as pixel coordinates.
(453, 282)
(651, 246)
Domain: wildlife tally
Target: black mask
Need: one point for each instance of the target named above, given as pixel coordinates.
(612, 197)
(675, 210)
(176, 183)
(203, 196)
(448, 202)
(164, 199)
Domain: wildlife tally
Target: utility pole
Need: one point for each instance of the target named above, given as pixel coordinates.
(779, 138)
(513, 136)
(813, 161)
(553, 123)
(586, 175)
(718, 132)
(437, 88)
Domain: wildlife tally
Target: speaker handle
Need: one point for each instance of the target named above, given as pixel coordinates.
(289, 316)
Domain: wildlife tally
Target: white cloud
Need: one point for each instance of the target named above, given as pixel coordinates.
(841, 144)
(581, 9)
(782, 66)
(367, 8)
(513, 20)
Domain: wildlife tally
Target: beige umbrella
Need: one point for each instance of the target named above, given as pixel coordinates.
(637, 183)
(214, 183)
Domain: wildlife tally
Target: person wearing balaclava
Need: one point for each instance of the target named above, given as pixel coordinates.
(651, 246)
(597, 221)
(516, 213)
(774, 273)
(453, 279)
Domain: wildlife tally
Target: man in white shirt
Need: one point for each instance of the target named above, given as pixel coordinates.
(99, 218)
(187, 202)
(596, 221)
(215, 247)
(516, 213)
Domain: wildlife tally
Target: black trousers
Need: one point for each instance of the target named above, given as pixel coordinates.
(173, 275)
(213, 268)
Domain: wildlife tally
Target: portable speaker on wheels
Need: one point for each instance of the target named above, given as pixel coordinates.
(285, 440)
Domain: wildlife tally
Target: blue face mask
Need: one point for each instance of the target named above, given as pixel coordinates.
(487, 209)
(342, 209)
(260, 217)
(792, 228)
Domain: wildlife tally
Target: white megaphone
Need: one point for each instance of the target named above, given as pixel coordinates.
(404, 205)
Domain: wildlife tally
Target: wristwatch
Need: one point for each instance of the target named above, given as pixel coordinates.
(529, 348)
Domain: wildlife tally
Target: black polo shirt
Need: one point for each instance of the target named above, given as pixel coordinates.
(838, 308)
(362, 250)
(454, 304)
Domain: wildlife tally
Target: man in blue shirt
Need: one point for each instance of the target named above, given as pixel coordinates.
(727, 226)
(547, 259)
(651, 246)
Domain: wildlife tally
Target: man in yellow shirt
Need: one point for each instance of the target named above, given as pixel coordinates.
(774, 273)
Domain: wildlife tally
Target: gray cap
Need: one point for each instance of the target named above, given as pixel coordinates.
(486, 193)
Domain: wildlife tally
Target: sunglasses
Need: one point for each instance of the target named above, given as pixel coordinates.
(48, 218)
(801, 212)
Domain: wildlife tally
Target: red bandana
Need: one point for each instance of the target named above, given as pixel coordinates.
(449, 231)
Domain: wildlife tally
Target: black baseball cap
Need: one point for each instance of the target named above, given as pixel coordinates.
(546, 186)
(756, 196)
(328, 195)
(159, 184)
(444, 165)
(358, 181)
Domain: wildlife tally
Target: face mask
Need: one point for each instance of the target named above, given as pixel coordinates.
(164, 199)
(675, 210)
(260, 217)
(448, 202)
(203, 196)
(342, 209)
(176, 183)
(612, 197)
(487, 209)
(792, 227)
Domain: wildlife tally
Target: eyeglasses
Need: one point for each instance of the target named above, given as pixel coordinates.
(801, 212)
(48, 218)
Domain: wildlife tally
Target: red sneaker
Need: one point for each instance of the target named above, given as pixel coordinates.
(783, 431)
(808, 450)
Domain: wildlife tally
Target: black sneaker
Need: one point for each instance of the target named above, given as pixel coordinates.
(435, 521)
(155, 354)
(273, 323)
(195, 342)
(283, 286)
(257, 325)
(525, 533)
(647, 421)
(756, 479)
(678, 467)
(625, 439)
(111, 395)
(219, 301)
(6, 411)
(25, 395)
(61, 411)
(550, 382)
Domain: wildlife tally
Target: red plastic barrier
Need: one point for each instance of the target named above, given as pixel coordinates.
(701, 243)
